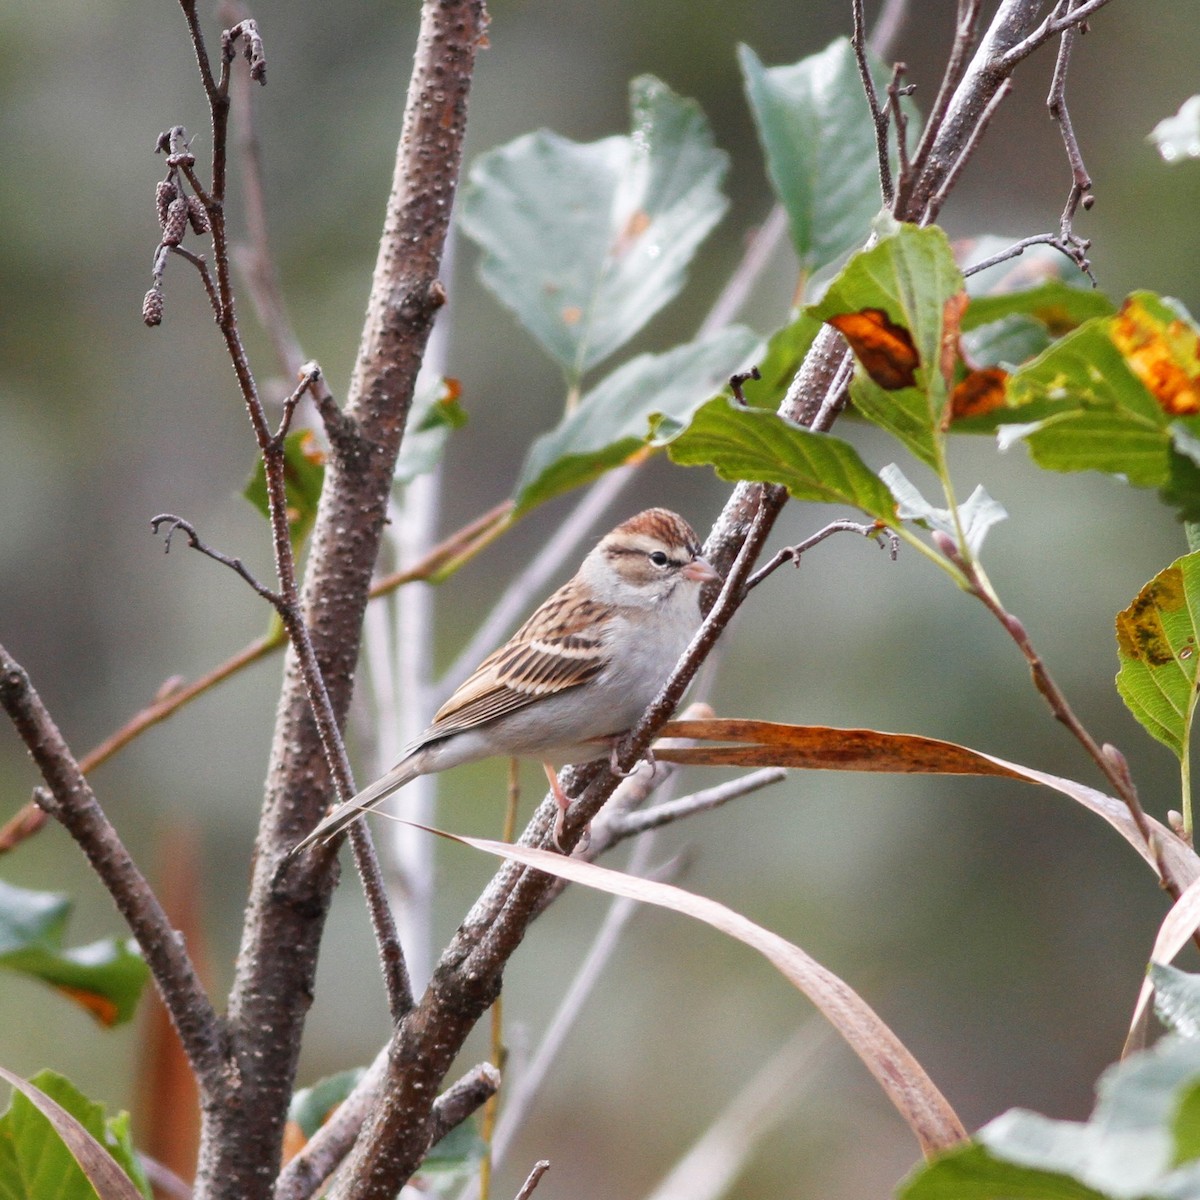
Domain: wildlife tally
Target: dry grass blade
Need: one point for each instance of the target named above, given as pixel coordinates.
(110, 1182)
(923, 1107)
(1173, 934)
(819, 747)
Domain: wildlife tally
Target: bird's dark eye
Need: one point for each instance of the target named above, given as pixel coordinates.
(659, 558)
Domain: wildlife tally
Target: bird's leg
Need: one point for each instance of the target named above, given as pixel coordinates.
(562, 800)
(614, 766)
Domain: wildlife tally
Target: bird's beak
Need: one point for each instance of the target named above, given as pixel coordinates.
(700, 570)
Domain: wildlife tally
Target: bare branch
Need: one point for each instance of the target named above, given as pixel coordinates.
(876, 532)
(462, 1098)
(974, 137)
(1056, 22)
(234, 564)
(879, 113)
(1081, 183)
(634, 823)
(1019, 248)
(72, 803)
(965, 33)
(533, 1178)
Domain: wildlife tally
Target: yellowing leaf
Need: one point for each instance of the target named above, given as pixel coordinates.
(1163, 352)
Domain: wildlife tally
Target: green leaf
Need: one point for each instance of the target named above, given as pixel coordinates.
(435, 414)
(1176, 999)
(1156, 645)
(304, 476)
(35, 1132)
(819, 143)
(106, 977)
(585, 243)
(1057, 306)
(756, 444)
(1128, 1149)
(785, 352)
(1119, 394)
(612, 420)
(976, 515)
(1187, 1127)
(1178, 137)
(311, 1106)
(904, 413)
(455, 1157)
(909, 275)
(1116, 442)
(1008, 342)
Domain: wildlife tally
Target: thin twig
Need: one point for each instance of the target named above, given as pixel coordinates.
(965, 33)
(533, 1179)
(881, 535)
(899, 119)
(1056, 22)
(1111, 762)
(879, 113)
(635, 823)
(399, 989)
(463, 1098)
(234, 564)
(72, 803)
(1080, 193)
(1019, 248)
(973, 139)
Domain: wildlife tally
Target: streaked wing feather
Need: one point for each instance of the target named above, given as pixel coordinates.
(534, 663)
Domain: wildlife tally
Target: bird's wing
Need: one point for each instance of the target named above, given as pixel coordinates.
(558, 648)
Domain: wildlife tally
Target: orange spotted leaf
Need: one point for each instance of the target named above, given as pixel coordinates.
(885, 349)
(978, 393)
(952, 313)
(1164, 353)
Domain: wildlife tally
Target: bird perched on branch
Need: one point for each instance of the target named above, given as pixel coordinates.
(577, 675)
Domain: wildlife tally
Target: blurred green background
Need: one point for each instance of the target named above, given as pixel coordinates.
(1000, 931)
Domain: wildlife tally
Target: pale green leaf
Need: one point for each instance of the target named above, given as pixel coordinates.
(613, 420)
(819, 143)
(585, 243)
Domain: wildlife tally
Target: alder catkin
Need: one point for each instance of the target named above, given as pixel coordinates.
(197, 215)
(175, 225)
(152, 307)
(164, 193)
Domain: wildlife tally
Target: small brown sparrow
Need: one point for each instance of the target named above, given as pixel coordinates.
(577, 675)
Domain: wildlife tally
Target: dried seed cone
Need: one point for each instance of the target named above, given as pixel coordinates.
(175, 225)
(164, 193)
(197, 215)
(152, 307)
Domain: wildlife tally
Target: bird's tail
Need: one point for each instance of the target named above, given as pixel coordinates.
(361, 802)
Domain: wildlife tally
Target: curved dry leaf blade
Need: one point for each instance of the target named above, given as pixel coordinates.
(1173, 934)
(823, 748)
(902, 1078)
(110, 1182)
(817, 747)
